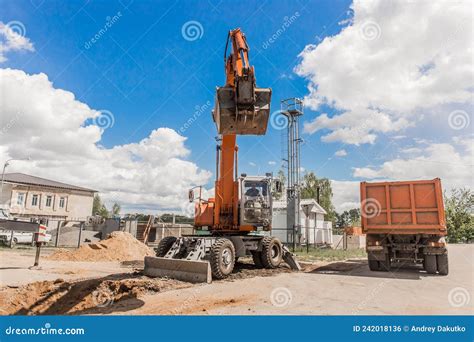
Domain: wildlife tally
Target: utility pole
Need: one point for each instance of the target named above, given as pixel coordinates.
(292, 108)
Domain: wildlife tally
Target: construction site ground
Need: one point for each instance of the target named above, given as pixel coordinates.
(344, 287)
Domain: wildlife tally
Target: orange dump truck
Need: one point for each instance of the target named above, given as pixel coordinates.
(405, 223)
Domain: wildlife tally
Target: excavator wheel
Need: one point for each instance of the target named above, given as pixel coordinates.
(222, 258)
(165, 245)
(257, 259)
(272, 252)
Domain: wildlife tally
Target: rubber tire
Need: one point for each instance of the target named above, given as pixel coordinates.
(374, 265)
(385, 264)
(430, 264)
(442, 262)
(218, 271)
(268, 243)
(257, 259)
(165, 245)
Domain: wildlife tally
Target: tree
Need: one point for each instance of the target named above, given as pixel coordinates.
(459, 208)
(98, 208)
(354, 215)
(343, 220)
(116, 209)
(309, 189)
(96, 204)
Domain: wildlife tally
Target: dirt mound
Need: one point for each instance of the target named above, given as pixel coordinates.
(102, 295)
(245, 268)
(118, 246)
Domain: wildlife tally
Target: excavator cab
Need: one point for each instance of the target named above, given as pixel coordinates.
(240, 107)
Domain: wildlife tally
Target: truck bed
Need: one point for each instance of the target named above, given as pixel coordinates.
(408, 207)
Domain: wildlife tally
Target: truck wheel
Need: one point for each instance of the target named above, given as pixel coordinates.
(385, 264)
(257, 259)
(272, 252)
(165, 245)
(442, 261)
(222, 258)
(430, 264)
(14, 242)
(373, 265)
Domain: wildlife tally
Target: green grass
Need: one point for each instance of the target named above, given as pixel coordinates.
(328, 254)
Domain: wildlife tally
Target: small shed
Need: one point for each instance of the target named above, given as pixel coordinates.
(313, 227)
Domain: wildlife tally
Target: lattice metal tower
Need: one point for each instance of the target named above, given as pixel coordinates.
(292, 108)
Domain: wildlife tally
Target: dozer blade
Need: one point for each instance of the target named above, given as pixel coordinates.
(180, 269)
(250, 119)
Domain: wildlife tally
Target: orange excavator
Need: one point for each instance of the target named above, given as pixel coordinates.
(236, 222)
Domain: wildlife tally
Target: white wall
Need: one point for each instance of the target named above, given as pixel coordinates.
(77, 204)
(319, 231)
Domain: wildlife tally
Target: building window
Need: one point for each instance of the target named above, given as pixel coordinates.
(49, 200)
(21, 198)
(62, 202)
(34, 200)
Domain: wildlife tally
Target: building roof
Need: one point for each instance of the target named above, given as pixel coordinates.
(21, 178)
(315, 207)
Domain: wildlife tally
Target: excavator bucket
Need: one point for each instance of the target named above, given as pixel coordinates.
(242, 119)
(181, 269)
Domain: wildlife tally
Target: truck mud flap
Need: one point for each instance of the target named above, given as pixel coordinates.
(180, 269)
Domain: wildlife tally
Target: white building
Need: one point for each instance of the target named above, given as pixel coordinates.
(28, 196)
(314, 229)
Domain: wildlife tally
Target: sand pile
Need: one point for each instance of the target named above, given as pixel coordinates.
(118, 246)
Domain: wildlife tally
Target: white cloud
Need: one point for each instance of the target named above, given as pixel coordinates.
(50, 126)
(12, 38)
(252, 164)
(389, 66)
(340, 153)
(453, 163)
(345, 195)
(272, 162)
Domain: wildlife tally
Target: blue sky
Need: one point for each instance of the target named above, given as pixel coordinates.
(149, 76)
(145, 72)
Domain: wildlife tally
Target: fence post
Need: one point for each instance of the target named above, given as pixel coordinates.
(58, 231)
(81, 226)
